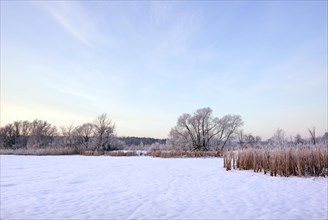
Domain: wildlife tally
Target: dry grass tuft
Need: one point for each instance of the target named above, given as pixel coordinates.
(289, 161)
(179, 154)
(117, 153)
(120, 153)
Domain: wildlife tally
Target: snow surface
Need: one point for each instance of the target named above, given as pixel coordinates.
(103, 187)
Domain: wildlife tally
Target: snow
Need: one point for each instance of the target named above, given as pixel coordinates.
(103, 187)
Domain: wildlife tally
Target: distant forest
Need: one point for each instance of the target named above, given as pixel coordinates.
(129, 141)
(197, 131)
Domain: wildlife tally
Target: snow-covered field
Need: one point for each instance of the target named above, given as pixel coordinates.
(81, 187)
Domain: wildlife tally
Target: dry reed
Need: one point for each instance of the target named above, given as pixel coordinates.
(288, 161)
(41, 151)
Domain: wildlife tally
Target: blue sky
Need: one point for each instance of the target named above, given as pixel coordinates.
(146, 63)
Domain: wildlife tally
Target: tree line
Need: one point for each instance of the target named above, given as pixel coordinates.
(198, 131)
(97, 135)
(201, 130)
(140, 141)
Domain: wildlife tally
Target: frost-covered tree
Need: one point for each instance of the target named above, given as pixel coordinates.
(22, 133)
(196, 130)
(7, 136)
(15, 134)
(200, 130)
(325, 138)
(42, 134)
(241, 137)
(258, 140)
(250, 139)
(68, 136)
(244, 138)
(279, 137)
(83, 135)
(179, 139)
(298, 139)
(227, 126)
(104, 132)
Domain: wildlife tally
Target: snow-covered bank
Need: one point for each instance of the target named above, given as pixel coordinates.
(80, 187)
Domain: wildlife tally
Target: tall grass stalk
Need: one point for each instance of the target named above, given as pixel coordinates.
(282, 161)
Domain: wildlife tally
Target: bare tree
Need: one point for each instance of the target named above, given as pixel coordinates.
(22, 132)
(312, 134)
(100, 135)
(83, 134)
(258, 140)
(7, 136)
(179, 139)
(298, 139)
(198, 130)
(325, 138)
(279, 137)
(195, 130)
(68, 135)
(226, 127)
(15, 134)
(42, 133)
(250, 139)
(247, 138)
(104, 132)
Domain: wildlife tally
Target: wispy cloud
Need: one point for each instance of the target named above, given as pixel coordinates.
(160, 11)
(67, 24)
(175, 42)
(74, 19)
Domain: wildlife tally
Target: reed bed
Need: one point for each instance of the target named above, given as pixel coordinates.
(287, 161)
(41, 151)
